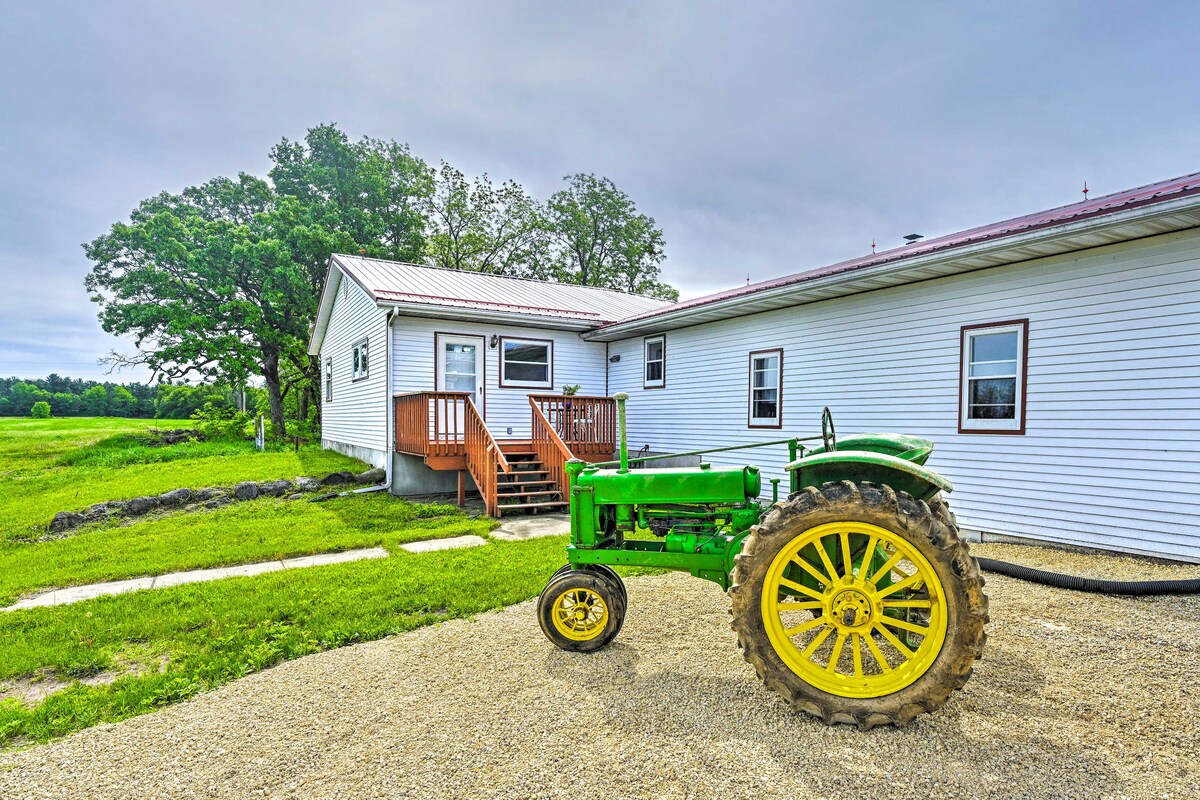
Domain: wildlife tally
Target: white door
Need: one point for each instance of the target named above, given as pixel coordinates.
(460, 366)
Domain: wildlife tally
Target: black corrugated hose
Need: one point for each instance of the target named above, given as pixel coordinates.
(1096, 585)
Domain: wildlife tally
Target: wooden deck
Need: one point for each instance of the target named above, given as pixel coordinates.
(446, 430)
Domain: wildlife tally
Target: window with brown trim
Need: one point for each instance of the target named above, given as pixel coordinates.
(526, 363)
(766, 389)
(654, 361)
(992, 377)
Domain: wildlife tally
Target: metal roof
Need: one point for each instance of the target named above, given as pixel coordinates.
(388, 281)
(1147, 210)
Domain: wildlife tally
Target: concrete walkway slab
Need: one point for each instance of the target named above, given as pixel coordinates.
(518, 529)
(75, 594)
(453, 543)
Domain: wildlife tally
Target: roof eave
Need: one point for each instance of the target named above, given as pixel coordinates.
(997, 250)
(430, 311)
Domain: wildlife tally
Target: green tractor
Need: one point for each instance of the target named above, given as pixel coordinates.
(854, 598)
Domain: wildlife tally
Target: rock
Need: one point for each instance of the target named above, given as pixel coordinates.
(217, 502)
(295, 496)
(65, 521)
(321, 498)
(336, 478)
(376, 475)
(247, 490)
(308, 484)
(276, 488)
(141, 505)
(206, 494)
(176, 497)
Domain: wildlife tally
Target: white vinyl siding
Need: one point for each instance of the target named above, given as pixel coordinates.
(357, 414)
(575, 361)
(1112, 403)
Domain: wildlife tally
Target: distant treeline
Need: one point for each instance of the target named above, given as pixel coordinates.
(75, 397)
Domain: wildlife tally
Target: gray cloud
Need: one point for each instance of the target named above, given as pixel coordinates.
(764, 139)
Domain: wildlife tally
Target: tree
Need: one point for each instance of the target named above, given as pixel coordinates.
(94, 402)
(484, 228)
(217, 281)
(600, 239)
(40, 410)
(369, 196)
(371, 193)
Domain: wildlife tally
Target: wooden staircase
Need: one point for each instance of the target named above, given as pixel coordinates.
(528, 487)
(513, 476)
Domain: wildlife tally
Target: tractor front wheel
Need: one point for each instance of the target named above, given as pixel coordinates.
(859, 605)
(582, 610)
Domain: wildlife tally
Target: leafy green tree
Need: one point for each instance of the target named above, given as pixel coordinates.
(600, 239)
(65, 404)
(24, 394)
(94, 402)
(371, 193)
(485, 228)
(40, 410)
(218, 281)
(123, 402)
(369, 197)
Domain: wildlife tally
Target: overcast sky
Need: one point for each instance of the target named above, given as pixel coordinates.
(764, 138)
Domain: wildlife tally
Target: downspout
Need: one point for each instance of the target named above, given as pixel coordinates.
(389, 428)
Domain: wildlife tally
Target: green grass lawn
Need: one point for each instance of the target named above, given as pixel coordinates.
(160, 646)
(47, 466)
(241, 533)
(207, 634)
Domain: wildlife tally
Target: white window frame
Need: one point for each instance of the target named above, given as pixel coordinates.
(661, 381)
(766, 422)
(507, 383)
(328, 379)
(1015, 425)
(360, 360)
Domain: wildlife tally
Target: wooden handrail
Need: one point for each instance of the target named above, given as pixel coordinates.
(447, 424)
(550, 448)
(484, 457)
(586, 424)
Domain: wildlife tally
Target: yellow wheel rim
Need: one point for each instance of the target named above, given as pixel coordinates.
(579, 614)
(868, 629)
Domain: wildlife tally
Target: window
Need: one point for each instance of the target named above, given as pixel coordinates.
(766, 386)
(360, 366)
(992, 394)
(328, 379)
(655, 360)
(526, 363)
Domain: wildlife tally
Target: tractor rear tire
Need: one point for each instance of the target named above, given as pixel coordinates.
(920, 535)
(581, 610)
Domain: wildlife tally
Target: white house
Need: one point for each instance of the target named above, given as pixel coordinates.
(1053, 358)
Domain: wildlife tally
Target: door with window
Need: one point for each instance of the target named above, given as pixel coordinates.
(460, 366)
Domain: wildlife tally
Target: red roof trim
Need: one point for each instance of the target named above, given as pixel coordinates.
(1100, 206)
(436, 298)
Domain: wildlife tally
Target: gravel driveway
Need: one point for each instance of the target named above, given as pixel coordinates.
(1077, 696)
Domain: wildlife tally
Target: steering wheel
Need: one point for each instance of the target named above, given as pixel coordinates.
(828, 434)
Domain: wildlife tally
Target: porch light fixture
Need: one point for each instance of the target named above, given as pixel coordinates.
(494, 341)
(614, 359)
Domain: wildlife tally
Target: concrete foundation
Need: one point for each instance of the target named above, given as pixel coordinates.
(376, 458)
(410, 476)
